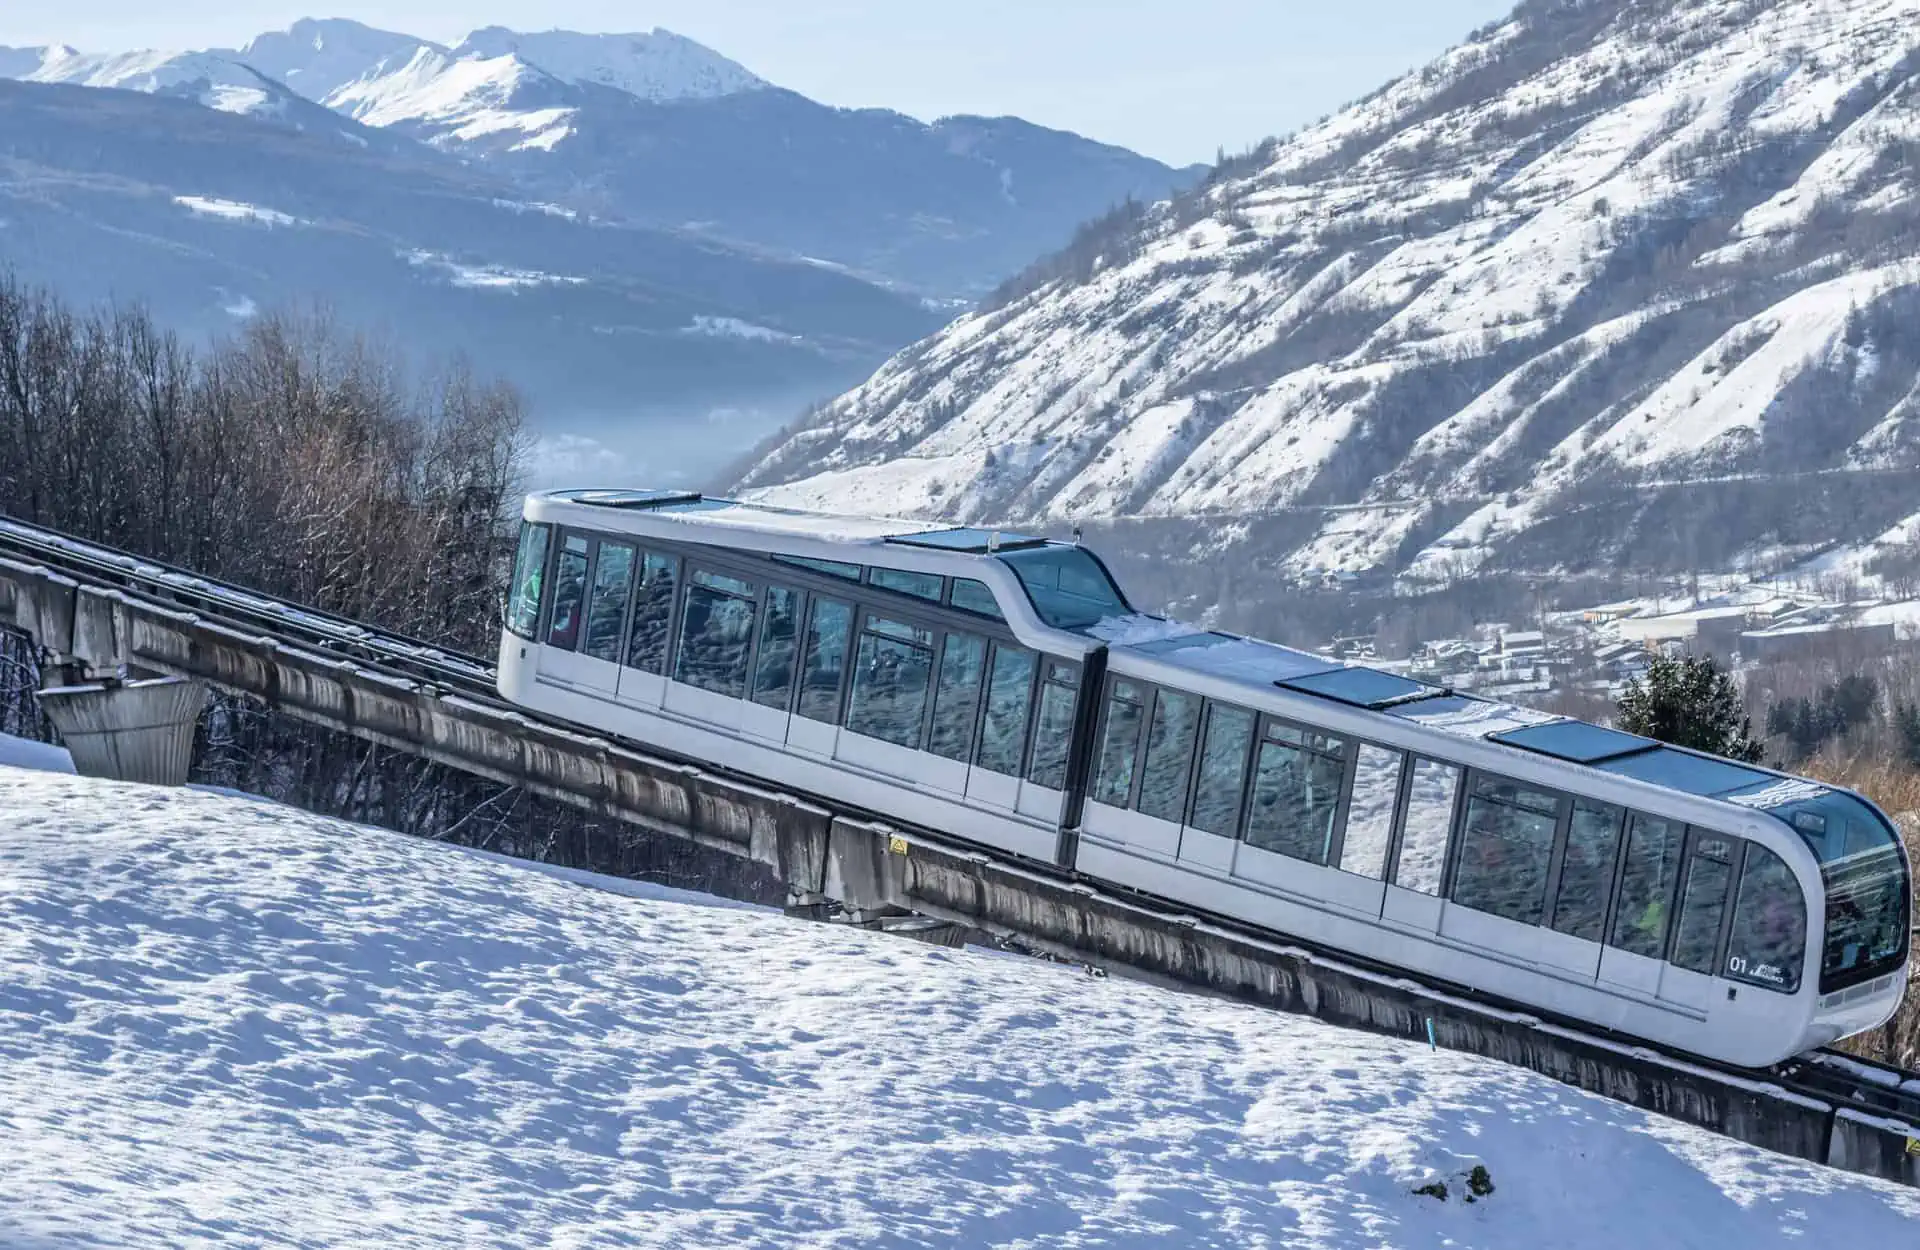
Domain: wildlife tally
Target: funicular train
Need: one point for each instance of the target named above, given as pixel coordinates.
(999, 689)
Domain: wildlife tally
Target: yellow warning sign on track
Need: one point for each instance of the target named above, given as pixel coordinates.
(896, 845)
(1913, 1146)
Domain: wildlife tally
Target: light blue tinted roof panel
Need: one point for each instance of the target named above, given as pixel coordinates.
(1575, 741)
(978, 541)
(634, 498)
(1688, 773)
(1362, 687)
(1236, 659)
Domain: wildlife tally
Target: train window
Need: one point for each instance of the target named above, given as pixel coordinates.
(529, 575)
(607, 605)
(892, 676)
(825, 661)
(1053, 726)
(956, 699)
(1296, 793)
(1586, 870)
(569, 589)
(653, 614)
(1068, 587)
(1768, 942)
(832, 568)
(1376, 792)
(919, 585)
(779, 640)
(971, 596)
(1170, 734)
(1703, 903)
(1423, 837)
(1119, 743)
(1506, 847)
(1223, 771)
(1646, 885)
(716, 634)
(1003, 735)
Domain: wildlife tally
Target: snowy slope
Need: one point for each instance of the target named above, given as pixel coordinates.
(227, 1020)
(1603, 244)
(316, 57)
(654, 65)
(212, 79)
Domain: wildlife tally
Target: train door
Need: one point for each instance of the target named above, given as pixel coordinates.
(1413, 895)
(1705, 896)
(643, 669)
(814, 727)
(774, 669)
(1643, 904)
(994, 778)
(1043, 791)
(560, 659)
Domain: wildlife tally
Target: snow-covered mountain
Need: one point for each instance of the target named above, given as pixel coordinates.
(1613, 283)
(227, 1020)
(655, 129)
(623, 333)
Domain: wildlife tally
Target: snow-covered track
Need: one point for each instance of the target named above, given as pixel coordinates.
(89, 605)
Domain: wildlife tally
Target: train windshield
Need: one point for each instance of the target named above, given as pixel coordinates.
(1069, 588)
(1866, 882)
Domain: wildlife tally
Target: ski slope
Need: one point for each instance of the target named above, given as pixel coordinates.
(223, 1020)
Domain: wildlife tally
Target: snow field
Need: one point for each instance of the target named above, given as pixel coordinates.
(225, 1020)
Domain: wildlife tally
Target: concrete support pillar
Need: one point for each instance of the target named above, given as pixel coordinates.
(131, 731)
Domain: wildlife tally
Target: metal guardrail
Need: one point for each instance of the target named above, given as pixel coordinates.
(738, 814)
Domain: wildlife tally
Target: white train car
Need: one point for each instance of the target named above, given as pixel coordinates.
(998, 688)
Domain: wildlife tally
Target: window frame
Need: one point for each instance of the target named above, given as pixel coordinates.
(634, 572)
(550, 593)
(1736, 864)
(942, 640)
(1249, 754)
(994, 648)
(1349, 753)
(537, 630)
(1562, 822)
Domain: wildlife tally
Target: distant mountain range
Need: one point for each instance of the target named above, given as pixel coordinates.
(1615, 284)
(655, 129)
(664, 250)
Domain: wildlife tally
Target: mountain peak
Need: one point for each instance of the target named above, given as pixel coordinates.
(318, 56)
(655, 65)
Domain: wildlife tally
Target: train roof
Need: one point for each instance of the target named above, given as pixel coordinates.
(1256, 664)
(694, 508)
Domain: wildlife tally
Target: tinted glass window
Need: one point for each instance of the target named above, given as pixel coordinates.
(1003, 735)
(1768, 943)
(1296, 793)
(832, 568)
(1506, 847)
(1867, 919)
(1119, 744)
(919, 585)
(1586, 873)
(892, 675)
(1223, 771)
(716, 635)
(779, 641)
(1646, 886)
(825, 661)
(1170, 735)
(569, 591)
(1376, 791)
(1703, 902)
(529, 575)
(1068, 587)
(652, 612)
(1423, 839)
(971, 596)
(1053, 727)
(956, 701)
(607, 607)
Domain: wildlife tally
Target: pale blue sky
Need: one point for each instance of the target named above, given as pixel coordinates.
(1173, 78)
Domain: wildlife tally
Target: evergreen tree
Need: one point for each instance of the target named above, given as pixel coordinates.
(1689, 702)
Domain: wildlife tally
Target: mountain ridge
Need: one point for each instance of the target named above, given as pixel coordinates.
(1601, 248)
(655, 129)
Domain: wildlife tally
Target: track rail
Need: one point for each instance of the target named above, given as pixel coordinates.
(1830, 1076)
